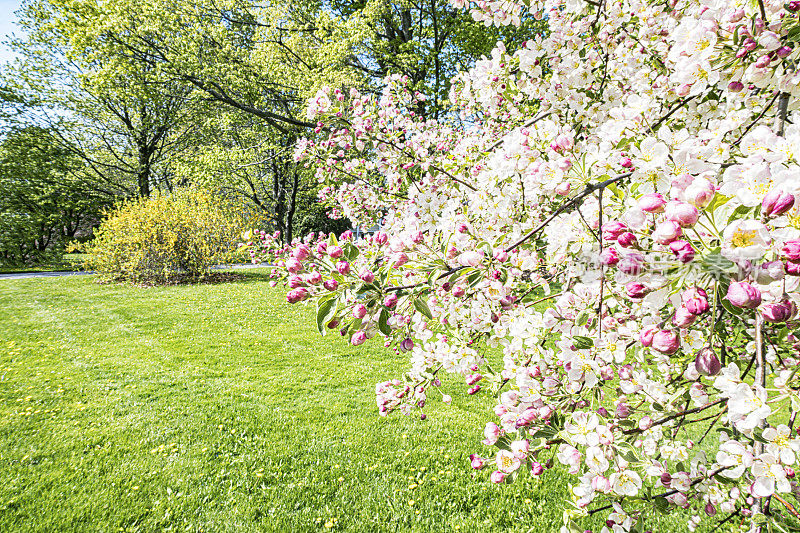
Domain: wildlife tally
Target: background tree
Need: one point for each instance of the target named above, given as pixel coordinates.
(44, 201)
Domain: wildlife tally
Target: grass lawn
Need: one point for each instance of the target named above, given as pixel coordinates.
(220, 408)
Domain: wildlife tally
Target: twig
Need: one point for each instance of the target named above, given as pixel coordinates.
(783, 109)
(761, 380)
(712, 424)
(589, 189)
(789, 506)
(669, 492)
(760, 115)
(670, 112)
(528, 124)
(676, 415)
(763, 11)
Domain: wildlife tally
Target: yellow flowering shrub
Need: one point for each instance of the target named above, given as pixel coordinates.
(166, 236)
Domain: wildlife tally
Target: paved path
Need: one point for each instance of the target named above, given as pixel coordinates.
(23, 275)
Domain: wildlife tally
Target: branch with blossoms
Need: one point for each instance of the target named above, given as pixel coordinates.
(607, 243)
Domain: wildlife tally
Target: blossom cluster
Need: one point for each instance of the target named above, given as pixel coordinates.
(604, 236)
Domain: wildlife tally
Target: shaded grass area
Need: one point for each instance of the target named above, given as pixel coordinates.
(220, 408)
(69, 262)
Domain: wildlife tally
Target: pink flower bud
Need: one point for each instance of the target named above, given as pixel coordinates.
(609, 257)
(296, 295)
(710, 509)
(666, 341)
(684, 213)
(491, 433)
(763, 61)
(623, 411)
(407, 345)
(683, 318)
(768, 272)
(462, 228)
(360, 311)
(322, 248)
(367, 276)
(601, 484)
(776, 203)
(527, 418)
(477, 461)
(381, 238)
(626, 162)
(778, 313)
(742, 294)
(447, 399)
(343, 267)
(501, 256)
(458, 291)
(652, 203)
(613, 229)
(646, 335)
(333, 324)
(697, 305)
(346, 236)
(293, 265)
(507, 302)
(296, 281)
(735, 86)
(563, 188)
(565, 142)
(666, 479)
(626, 239)
(700, 192)
(497, 476)
(470, 258)
(683, 250)
(707, 363)
(314, 278)
(335, 252)
(667, 231)
(632, 264)
(330, 284)
(784, 51)
(635, 290)
(791, 250)
(400, 260)
(645, 423)
(390, 300)
(358, 338)
(302, 252)
(792, 268)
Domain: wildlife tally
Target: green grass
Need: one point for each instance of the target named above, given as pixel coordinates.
(220, 408)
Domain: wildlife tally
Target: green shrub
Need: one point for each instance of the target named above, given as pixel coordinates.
(166, 237)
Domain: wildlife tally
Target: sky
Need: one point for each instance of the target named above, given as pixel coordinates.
(7, 26)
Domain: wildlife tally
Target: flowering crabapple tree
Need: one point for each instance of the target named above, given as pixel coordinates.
(615, 208)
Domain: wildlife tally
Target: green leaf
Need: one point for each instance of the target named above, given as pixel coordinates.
(661, 504)
(582, 343)
(383, 320)
(421, 306)
(325, 312)
(350, 251)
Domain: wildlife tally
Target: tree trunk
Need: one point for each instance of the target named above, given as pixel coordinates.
(143, 177)
(292, 205)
